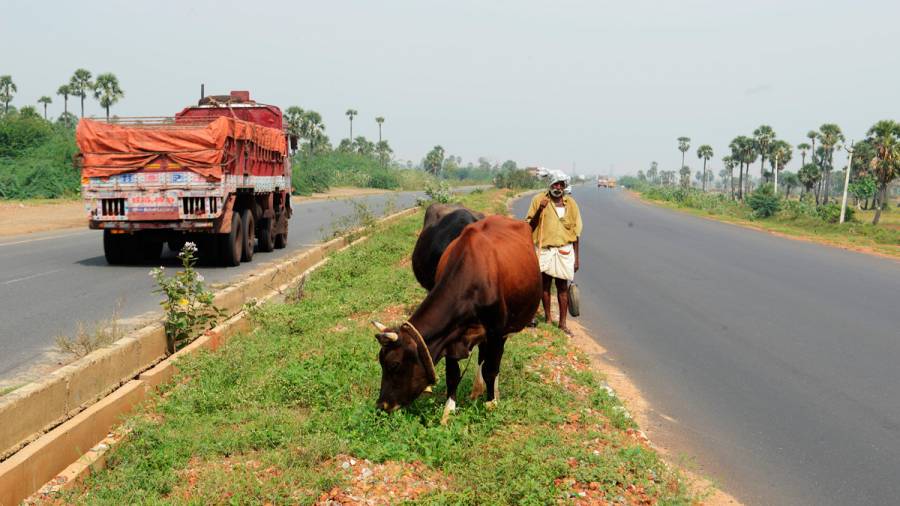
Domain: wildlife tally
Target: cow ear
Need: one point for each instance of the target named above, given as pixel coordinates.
(386, 338)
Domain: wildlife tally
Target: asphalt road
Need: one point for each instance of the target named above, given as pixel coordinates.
(50, 281)
(775, 362)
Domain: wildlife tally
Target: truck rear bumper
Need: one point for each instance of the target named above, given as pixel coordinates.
(186, 225)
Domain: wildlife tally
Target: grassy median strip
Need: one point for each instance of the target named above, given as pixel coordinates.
(285, 413)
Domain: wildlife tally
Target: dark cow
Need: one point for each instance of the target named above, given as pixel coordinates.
(487, 286)
(443, 224)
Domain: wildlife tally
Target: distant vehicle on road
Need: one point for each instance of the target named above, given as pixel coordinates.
(606, 182)
(217, 173)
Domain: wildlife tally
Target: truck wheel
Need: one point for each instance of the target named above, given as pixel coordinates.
(207, 249)
(176, 244)
(231, 245)
(281, 239)
(149, 249)
(117, 248)
(266, 238)
(249, 235)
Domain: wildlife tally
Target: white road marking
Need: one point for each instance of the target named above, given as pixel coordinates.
(11, 281)
(44, 238)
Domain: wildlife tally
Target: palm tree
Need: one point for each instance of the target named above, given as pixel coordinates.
(107, 91)
(803, 147)
(312, 128)
(434, 160)
(384, 151)
(763, 137)
(705, 152)
(380, 121)
(7, 90)
(809, 175)
(829, 136)
(743, 150)
(64, 91)
(728, 162)
(724, 175)
(293, 117)
(684, 144)
(789, 180)
(685, 174)
(781, 154)
(653, 172)
(46, 101)
(363, 146)
(885, 138)
(80, 84)
(350, 114)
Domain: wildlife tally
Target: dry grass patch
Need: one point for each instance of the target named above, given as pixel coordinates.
(390, 482)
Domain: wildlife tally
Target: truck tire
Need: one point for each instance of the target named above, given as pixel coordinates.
(231, 245)
(175, 244)
(207, 249)
(117, 248)
(266, 237)
(249, 235)
(281, 239)
(148, 250)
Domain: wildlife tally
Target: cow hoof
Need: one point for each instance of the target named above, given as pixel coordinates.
(478, 386)
(449, 408)
(490, 405)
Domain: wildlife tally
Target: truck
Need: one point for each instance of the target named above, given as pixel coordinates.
(606, 182)
(217, 174)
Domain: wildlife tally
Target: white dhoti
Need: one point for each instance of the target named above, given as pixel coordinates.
(558, 262)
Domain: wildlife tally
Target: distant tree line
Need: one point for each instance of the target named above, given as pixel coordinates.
(875, 164)
(105, 88)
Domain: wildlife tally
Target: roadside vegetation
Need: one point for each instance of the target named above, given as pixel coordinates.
(285, 413)
(807, 203)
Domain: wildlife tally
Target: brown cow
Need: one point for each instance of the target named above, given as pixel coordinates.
(488, 285)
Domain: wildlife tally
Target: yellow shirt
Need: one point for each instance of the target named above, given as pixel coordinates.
(553, 230)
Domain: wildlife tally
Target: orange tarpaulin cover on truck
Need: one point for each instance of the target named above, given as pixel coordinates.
(114, 149)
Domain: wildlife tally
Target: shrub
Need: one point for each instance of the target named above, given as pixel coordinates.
(19, 132)
(188, 305)
(764, 202)
(319, 172)
(794, 209)
(516, 179)
(439, 192)
(384, 178)
(44, 170)
(831, 212)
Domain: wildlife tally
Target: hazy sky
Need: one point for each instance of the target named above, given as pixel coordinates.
(607, 85)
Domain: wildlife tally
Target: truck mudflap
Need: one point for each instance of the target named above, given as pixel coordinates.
(222, 224)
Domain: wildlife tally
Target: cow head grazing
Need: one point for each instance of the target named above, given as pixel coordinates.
(406, 369)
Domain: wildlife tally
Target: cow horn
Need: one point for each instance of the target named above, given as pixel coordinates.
(386, 337)
(380, 326)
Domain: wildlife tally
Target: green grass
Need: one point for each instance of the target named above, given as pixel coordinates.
(858, 233)
(9, 389)
(261, 419)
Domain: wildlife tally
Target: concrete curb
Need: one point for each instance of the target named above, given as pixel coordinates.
(50, 424)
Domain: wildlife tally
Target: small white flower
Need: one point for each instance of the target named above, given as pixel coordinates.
(190, 246)
(199, 278)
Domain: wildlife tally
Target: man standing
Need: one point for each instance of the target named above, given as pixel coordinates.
(555, 232)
